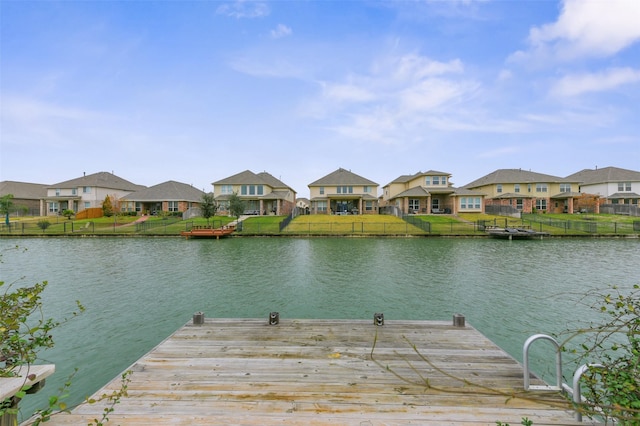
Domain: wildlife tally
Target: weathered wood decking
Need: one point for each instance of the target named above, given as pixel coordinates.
(318, 372)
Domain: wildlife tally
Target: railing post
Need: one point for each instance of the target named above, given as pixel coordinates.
(577, 394)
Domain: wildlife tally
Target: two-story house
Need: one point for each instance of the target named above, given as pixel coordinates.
(612, 184)
(430, 192)
(170, 197)
(261, 192)
(343, 192)
(527, 191)
(88, 191)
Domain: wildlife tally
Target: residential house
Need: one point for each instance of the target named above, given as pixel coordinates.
(527, 191)
(88, 191)
(303, 205)
(168, 197)
(429, 192)
(612, 184)
(343, 192)
(27, 197)
(262, 193)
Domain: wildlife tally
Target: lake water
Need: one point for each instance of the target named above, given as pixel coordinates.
(139, 291)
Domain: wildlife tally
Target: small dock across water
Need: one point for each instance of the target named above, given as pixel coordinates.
(326, 372)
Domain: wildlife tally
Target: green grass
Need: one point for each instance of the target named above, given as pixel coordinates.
(463, 224)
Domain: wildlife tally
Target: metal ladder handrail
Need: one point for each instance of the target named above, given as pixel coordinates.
(527, 373)
(577, 394)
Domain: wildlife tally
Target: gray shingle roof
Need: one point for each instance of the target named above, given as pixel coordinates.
(515, 176)
(407, 178)
(101, 180)
(167, 191)
(342, 177)
(23, 190)
(249, 178)
(605, 174)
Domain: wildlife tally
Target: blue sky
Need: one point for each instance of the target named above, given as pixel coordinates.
(198, 91)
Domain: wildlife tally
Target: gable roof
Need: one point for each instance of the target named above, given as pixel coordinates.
(604, 175)
(100, 180)
(408, 178)
(242, 178)
(514, 176)
(167, 191)
(272, 181)
(23, 190)
(342, 177)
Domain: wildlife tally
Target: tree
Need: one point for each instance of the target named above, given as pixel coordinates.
(44, 224)
(236, 205)
(208, 206)
(107, 207)
(68, 213)
(6, 204)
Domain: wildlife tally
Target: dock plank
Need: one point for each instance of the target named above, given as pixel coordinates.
(319, 372)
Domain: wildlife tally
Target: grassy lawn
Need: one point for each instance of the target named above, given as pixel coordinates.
(347, 224)
(463, 224)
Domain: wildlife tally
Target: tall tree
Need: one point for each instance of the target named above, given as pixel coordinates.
(208, 206)
(236, 205)
(6, 204)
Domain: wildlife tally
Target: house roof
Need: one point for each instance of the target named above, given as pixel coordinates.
(604, 175)
(275, 195)
(515, 176)
(342, 177)
(408, 178)
(167, 191)
(416, 191)
(509, 195)
(247, 177)
(23, 190)
(100, 180)
(623, 195)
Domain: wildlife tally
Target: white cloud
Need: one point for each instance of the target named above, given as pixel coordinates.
(573, 85)
(244, 9)
(281, 31)
(585, 28)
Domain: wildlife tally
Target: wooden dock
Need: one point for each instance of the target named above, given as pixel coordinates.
(321, 372)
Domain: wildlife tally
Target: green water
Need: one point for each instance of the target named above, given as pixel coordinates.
(139, 291)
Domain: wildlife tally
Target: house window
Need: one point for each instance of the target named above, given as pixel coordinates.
(478, 203)
(74, 191)
(519, 203)
(321, 206)
(565, 187)
(345, 190)
(436, 180)
(243, 190)
(53, 207)
(444, 180)
(322, 190)
(173, 206)
(516, 188)
(226, 189)
(57, 192)
(541, 204)
(260, 189)
(366, 189)
(541, 187)
(463, 203)
(624, 186)
(427, 180)
(499, 188)
(528, 187)
(86, 189)
(252, 190)
(414, 204)
(368, 205)
(138, 206)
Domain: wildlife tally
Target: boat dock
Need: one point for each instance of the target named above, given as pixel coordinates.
(318, 372)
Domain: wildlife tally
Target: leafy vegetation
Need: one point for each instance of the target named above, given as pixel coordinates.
(107, 207)
(208, 206)
(236, 205)
(612, 388)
